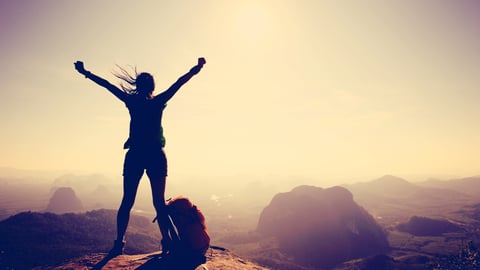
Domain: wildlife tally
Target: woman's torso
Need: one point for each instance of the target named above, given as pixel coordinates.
(145, 122)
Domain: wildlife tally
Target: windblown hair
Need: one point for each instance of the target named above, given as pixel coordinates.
(136, 83)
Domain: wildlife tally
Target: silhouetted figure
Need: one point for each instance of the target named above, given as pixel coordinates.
(145, 146)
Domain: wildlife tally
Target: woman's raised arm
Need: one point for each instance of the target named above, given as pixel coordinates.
(168, 94)
(100, 81)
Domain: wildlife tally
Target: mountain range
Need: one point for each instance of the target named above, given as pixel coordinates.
(403, 210)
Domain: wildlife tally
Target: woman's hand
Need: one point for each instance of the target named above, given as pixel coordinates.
(201, 61)
(198, 67)
(80, 68)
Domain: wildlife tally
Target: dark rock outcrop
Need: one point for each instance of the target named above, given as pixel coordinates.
(64, 200)
(423, 226)
(321, 227)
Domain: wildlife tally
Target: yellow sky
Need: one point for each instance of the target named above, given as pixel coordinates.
(319, 90)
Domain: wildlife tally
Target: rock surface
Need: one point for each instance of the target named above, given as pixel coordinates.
(217, 258)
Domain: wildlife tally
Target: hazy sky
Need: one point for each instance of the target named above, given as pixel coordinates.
(307, 90)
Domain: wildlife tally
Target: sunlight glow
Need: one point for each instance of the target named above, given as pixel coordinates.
(252, 21)
(312, 89)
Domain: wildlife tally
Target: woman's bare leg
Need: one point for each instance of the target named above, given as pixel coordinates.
(130, 186)
(164, 223)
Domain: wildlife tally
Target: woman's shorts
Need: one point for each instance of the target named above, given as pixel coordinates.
(137, 161)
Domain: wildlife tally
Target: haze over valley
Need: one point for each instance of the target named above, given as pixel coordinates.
(421, 220)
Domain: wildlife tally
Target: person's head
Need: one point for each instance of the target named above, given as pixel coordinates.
(140, 83)
(144, 84)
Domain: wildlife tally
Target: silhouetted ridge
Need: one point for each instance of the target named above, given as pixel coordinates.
(321, 227)
(467, 185)
(30, 239)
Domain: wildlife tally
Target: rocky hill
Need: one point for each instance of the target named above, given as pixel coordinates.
(32, 239)
(64, 200)
(423, 226)
(321, 227)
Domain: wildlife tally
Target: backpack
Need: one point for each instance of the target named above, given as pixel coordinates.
(190, 225)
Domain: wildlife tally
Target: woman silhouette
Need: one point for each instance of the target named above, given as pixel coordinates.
(145, 146)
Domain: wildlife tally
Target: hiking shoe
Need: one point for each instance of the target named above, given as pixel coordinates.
(117, 249)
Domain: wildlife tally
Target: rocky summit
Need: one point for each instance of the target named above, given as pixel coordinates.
(321, 227)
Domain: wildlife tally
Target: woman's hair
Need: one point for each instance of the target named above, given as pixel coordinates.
(138, 83)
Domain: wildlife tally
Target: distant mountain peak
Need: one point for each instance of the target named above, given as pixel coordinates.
(391, 178)
(391, 183)
(64, 200)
